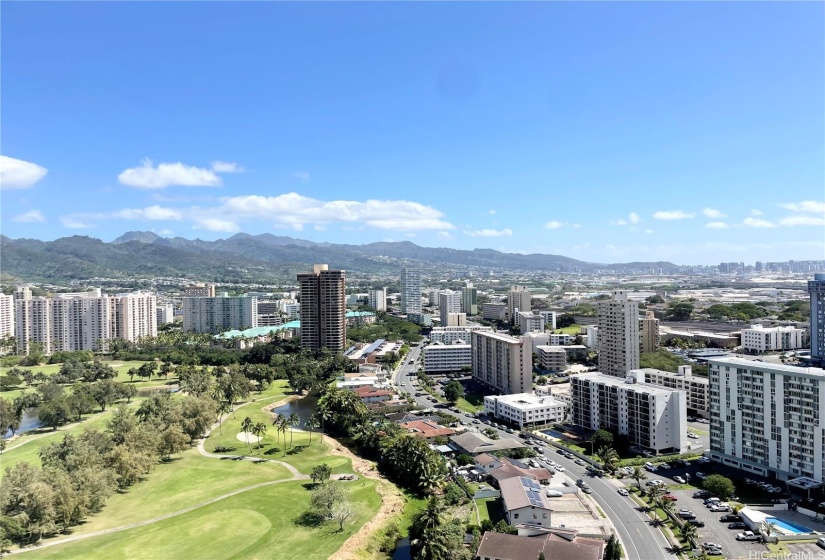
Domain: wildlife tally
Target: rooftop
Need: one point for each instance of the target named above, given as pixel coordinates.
(478, 443)
(622, 382)
(781, 368)
(259, 331)
(520, 491)
(515, 547)
(526, 400)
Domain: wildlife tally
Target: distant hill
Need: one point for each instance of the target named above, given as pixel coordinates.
(244, 258)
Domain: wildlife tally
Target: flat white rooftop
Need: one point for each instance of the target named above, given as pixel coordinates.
(777, 368)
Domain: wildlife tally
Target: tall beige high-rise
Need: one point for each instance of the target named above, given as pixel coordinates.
(518, 299)
(618, 334)
(323, 308)
(650, 332)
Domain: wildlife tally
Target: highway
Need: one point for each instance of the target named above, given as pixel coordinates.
(641, 540)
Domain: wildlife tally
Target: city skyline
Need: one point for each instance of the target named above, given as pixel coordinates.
(681, 132)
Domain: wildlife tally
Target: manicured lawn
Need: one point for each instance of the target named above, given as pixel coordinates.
(572, 329)
(180, 483)
(260, 524)
(490, 508)
(413, 505)
(471, 402)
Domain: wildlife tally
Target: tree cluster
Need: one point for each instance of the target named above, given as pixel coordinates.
(736, 311)
(386, 326)
(435, 537)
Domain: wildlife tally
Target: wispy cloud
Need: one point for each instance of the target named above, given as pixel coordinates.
(149, 213)
(673, 215)
(813, 206)
(711, 213)
(717, 225)
(445, 234)
(301, 176)
(19, 174)
(488, 232)
(30, 217)
(619, 222)
(757, 223)
(553, 224)
(216, 224)
(73, 223)
(755, 212)
(633, 218)
(649, 231)
(791, 221)
(147, 176)
(491, 212)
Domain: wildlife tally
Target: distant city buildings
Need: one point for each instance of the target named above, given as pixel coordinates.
(518, 299)
(758, 338)
(494, 311)
(411, 290)
(165, 313)
(6, 315)
(469, 299)
(378, 299)
(82, 320)
(323, 308)
(199, 290)
(502, 362)
(448, 302)
(768, 419)
(816, 290)
(651, 417)
(618, 320)
(216, 314)
(530, 321)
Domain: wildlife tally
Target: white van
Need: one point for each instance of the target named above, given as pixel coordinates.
(650, 466)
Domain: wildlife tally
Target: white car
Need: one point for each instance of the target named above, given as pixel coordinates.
(559, 468)
(623, 492)
(580, 462)
(691, 435)
(747, 536)
(679, 479)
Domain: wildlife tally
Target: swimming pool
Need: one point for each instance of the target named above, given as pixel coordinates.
(789, 526)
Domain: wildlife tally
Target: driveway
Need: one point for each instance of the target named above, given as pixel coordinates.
(716, 531)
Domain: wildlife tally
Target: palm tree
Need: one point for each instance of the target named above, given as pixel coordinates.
(223, 408)
(609, 458)
(259, 430)
(312, 424)
(433, 514)
(294, 420)
(246, 427)
(638, 475)
(689, 533)
(283, 425)
(276, 422)
(768, 528)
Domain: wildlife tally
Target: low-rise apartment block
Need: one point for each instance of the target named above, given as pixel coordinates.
(762, 339)
(447, 357)
(525, 409)
(694, 386)
(552, 358)
(494, 311)
(449, 335)
(768, 418)
(530, 321)
(651, 417)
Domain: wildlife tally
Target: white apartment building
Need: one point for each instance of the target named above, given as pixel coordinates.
(768, 418)
(6, 315)
(448, 302)
(618, 334)
(469, 299)
(591, 339)
(290, 308)
(449, 334)
(694, 386)
(650, 332)
(559, 391)
(561, 339)
(215, 314)
(494, 311)
(440, 357)
(549, 319)
(411, 290)
(552, 358)
(269, 314)
(456, 319)
(759, 338)
(82, 321)
(518, 299)
(525, 409)
(530, 321)
(166, 313)
(502, 362)
(651, 417)
(816, 289)
(378, 299)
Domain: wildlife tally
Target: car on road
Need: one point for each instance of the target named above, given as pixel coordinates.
(580, 462)
(623, 492)
(678, 479)
(476, 421)
(559, 468)
(747, 536)
(587, 490)
(701, 494)
(580, 482)
(691, 435)
(670, 497)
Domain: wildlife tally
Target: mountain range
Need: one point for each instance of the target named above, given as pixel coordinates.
(247, 258)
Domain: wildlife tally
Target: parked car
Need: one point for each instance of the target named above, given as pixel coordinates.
(664, 466)
(713, 551)
(696, 522)
(701, 476)
(691, 435)
(579, 482)
(747, 536)
(737, 525)
(730, 517)
(821, 542)
(670, 497)
(623, 492)
(686, 514)
(701, 494)
(679, 479)
(559, 468)
(580, 462)
(720, 507)
(587, 490)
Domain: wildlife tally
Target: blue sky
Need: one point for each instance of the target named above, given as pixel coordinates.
(690, 132)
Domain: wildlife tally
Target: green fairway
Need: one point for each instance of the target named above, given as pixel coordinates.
(183, 482)
(259, 524)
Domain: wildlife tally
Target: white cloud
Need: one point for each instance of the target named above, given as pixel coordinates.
(445, 234)
(553, 224)
(633, 218)
(673, 215)
(30, 217)
(149, 213)
(754, 222)
(756, 212)
(488, 232)
(491, 212)
(215, 224)
(226, 167)
(711, 213)
(301, 176)
(167, 174)
(165, 231)
(791, 221)
(576, 226)
(294, 209)
(805, 206)
(19, 174)
(619, 222)
(649, 231)
(73, 223)
(717, 225)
